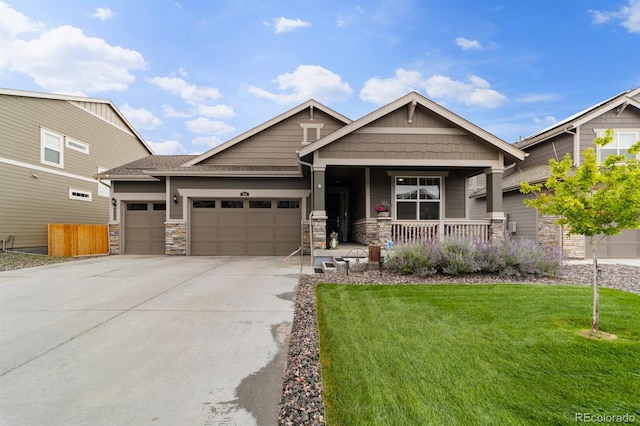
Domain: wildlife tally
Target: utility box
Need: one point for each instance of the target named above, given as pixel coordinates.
(374, 254)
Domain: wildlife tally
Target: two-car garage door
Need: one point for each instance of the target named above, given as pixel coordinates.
(244, 226)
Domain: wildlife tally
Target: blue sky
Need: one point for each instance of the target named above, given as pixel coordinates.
(192, 74)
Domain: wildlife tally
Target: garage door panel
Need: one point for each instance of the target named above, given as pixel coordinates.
(261, 234)
(144, 228)
(625, 245)
(256, 248)
(260, 219)
(258, 228)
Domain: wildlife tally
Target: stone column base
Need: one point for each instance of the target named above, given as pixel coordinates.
(175, 238)
(114, 238)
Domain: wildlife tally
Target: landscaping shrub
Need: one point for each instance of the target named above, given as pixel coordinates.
(458, 256)
(452, 256)
(421, 260)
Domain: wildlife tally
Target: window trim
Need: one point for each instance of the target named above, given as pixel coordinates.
(78, 197)
(439, 176)
(43, 160)
(600, 133)
(76, 145)
(305, 132)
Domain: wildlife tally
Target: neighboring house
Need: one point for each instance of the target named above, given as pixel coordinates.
(288, 183)
(51, 149)
(572, 135)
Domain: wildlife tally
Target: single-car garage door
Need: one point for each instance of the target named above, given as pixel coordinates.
(625, 245)
(245, 227)
(144, 228)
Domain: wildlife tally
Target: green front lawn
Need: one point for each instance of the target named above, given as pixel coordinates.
(475, 354)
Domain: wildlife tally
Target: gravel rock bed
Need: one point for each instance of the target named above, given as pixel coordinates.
(302, 402)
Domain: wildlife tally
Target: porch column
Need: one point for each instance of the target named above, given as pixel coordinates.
(494, 193)
(318, 189)
(319, 213)
(495, 211)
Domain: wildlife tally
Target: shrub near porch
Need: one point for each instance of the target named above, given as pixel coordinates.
(475, 354)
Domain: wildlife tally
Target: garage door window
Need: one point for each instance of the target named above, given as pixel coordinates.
(259, 204)
(204, 204)
(231, 204)
(288, 204)
(136, 206)
(159, 206)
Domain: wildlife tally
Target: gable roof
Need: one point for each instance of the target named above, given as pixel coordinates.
(73, 99)
(309, 104)
(621, 100)
(415, 98)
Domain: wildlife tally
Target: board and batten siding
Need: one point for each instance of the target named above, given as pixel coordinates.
(276, 145)
(35, 194)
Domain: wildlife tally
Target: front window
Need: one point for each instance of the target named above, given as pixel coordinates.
(622, 141)
(51, 148)
(417, 198)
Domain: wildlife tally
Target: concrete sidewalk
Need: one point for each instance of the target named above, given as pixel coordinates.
(132, 340)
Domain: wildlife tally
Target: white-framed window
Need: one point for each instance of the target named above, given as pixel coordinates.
(77, 146)
(51, 148)
(308, 133)
(78, 194)
(418, 197)
(622, 141)
(104, 185)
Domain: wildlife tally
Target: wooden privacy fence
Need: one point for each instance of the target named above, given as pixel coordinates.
(70, 240)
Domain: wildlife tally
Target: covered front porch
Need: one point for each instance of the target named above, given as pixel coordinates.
(425, 204)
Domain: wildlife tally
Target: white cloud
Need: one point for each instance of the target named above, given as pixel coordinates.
(477, 92)
(381, 91)
(466, 44)
(539, 97)
(12, 24)
(307, 82)
(171, 112)
(283, 25)
(209, 141)
(167, 148)
(189, 92)
(629, 16)
(63, 59)
(140, 118)
(348, 17)
(204, 125)
(547, 120)
(220, 111)
(103, 13)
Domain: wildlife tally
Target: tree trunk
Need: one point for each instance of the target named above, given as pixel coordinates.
(596, 292)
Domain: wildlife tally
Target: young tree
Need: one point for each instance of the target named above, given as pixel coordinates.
(594, 200)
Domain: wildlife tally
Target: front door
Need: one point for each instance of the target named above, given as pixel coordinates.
(337, 204)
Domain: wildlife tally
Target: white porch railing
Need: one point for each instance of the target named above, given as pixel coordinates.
(408, 233)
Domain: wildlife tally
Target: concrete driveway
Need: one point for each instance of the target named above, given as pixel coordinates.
(146, 340)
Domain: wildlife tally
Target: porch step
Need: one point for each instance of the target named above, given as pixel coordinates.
(328, 267)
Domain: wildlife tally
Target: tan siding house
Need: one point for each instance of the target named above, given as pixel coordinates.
(570, 136)
(52, 147)
(287, 184)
